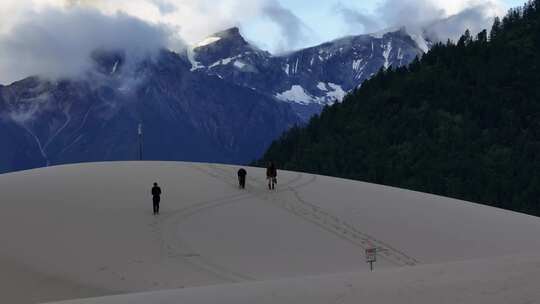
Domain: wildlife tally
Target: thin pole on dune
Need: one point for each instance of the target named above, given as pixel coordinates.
(140, 141)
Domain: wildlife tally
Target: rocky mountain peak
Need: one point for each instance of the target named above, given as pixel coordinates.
(231, 33)
(222, 45)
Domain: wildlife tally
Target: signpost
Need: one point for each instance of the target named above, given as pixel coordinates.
(371, 257)
(140, 142)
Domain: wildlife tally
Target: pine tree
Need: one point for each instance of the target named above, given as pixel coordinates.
(496, 28)
(466, 39)
(482, 37)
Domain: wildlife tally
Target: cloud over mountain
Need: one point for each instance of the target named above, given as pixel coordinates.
(56, 43)
(441, 19)
(54, 37)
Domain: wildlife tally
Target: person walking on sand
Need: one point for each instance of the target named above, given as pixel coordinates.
(242, 173)
(271, 175)
(156, 197)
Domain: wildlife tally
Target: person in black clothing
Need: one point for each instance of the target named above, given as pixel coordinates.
(271, 175)
(242, 173)
(156, 197)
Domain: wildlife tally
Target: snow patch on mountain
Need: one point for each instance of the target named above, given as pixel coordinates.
(356, 64)
(400, 56)
(421, 42)
(239, 64)
(386, 54)
(115, 67)
(225, 61)
(195, 65)
(208, 41)
(337, 92)
(296, 67)
(296, 94)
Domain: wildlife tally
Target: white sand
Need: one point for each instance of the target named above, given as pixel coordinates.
(492, 281)
(87, 230)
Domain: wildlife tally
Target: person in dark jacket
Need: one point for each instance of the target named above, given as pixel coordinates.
(242, 173)
(271, 175)
(156, 197)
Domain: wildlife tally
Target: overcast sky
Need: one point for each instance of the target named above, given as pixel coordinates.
(54, 38)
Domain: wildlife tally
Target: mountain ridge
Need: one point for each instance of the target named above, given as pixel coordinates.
(309, 78)
(200, 105)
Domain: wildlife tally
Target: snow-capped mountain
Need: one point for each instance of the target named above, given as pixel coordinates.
(308, 79)
(224, 100)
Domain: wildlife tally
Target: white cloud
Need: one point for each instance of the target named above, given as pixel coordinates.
(56, 43)
(54, 37)
(403, 12)
(193, 19)
(50, 36)
(443, 19)
(475, 19)
(293, 30)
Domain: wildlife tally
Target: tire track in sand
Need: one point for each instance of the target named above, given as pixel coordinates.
(324, 219)
(174, 247)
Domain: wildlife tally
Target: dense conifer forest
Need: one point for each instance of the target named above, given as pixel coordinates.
(463, 121)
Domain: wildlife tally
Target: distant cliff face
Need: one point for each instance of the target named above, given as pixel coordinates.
(185, 116)
(309, 78)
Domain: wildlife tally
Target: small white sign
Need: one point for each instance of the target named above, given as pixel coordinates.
(371, 255)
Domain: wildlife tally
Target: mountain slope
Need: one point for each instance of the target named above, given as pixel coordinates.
(186, 116)
(462, 122)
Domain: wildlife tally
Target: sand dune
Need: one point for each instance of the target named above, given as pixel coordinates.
(488, 281)
(87, 230)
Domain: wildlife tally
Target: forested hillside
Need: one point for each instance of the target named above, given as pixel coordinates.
(463, 122)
